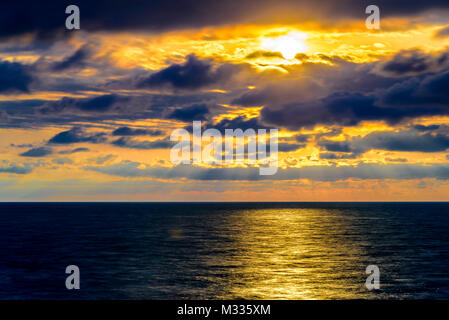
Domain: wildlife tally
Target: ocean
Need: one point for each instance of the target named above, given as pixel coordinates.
(224, 250)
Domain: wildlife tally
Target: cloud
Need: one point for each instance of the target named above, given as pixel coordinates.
(13, 168)
(26, 145)
(44, 18)
(240, 122)
(413, 62)
(444, 32)
(77, 59)
(127, 131)
(408, 62)
(316, 173)
(277, 93)
(396, 159)
(343, 108)
(333, 156)
(264, 54)
(288, 147)
(37, 152)
(62, 161)
(97, 104)
(190, 113)
(292, 104)
(76, 150)
(408, 141)
(302, 137)
(126, 142)
(193, 74)
(14, 77)
(104, 159)
(411, 98)
(429, 92)
(432, 127)
(336, 146)
(76, 135)
(348, 93)
(67, 111)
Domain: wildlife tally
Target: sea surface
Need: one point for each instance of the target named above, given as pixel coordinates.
(224, 250)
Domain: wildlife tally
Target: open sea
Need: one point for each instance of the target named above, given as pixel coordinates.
(224, 250)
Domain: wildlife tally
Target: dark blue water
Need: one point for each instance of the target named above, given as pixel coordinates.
(233, 250)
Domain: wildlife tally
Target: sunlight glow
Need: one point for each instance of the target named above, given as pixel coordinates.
(288, 45)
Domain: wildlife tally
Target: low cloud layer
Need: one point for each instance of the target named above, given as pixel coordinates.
(316, 173)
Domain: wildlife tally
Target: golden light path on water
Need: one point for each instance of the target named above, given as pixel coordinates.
(293, 254)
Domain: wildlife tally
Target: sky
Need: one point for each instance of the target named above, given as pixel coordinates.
(362, 114)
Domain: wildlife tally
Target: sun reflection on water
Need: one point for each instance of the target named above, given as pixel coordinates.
(292, 254)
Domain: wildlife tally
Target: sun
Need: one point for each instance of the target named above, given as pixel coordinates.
(288, 45)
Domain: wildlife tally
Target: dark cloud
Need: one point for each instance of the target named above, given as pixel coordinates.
(77, 60)
(279, 93)
(430, 92)
(411, 98)
(333, 156)
(76, 135)
(14, 77)
(46, 18)
(70, 111)
(315, 173)
(288, 104)
(408, 62)
(127, 131)
(342, 108)
(336, 146)
(405, 141)
(76, 150)
(409, 141)
(126, 142)
(37, 152)
(240, 122)
(193, 74)
(432, 127)
(264, 54)
(98, 104)
(190, 113)
(288, 147)
(437, 86)
(302, 138)
(347, 93)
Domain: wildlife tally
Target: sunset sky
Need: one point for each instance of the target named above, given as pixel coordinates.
(86, 115)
